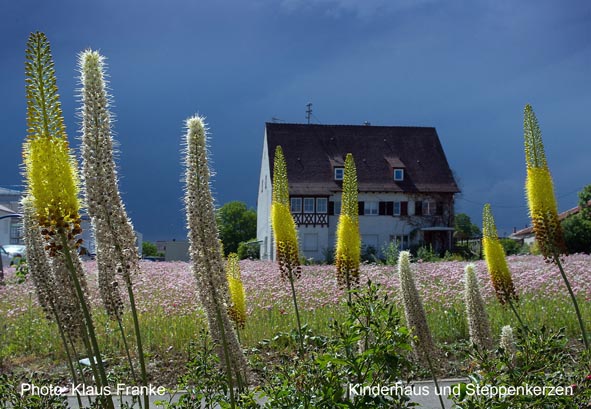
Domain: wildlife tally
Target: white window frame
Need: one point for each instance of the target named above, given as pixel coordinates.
(371, 208)
(296, 209)
(339, 173)
(307, 201)
(396, 209)
(400, 173)
(321, 205)
(429, 208)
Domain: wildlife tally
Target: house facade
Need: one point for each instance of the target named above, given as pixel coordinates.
(11, 228)
(406, 188)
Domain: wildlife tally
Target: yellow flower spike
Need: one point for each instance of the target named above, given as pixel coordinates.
(284, 228)
(495, 259)
(237, 310)
(540, 190)
(50, 168)
(348, 252)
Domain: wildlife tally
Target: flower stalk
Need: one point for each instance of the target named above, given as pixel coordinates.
(543, 210)
(416, 319)
(117, 254)
(478, 323)
(348, 248)
(237, 308)
(206, 256)
(284, 230)
(52, 188)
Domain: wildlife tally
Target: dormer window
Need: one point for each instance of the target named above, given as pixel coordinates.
(339, 173)
(398, 175)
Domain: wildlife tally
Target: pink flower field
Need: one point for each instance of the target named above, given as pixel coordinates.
(169, 287)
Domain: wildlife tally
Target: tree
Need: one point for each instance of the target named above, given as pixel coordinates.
(149, 249)
(577, 228)
(236, 223)
(464, 228)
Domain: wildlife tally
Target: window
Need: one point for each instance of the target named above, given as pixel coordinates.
(339, 173)
(296, 204)
(321, 205)
(429, 208)
(401, 241)
(310, 242)
(337, 208)
(398, 174)
(396, 211)
(308, 205)
(371, 208)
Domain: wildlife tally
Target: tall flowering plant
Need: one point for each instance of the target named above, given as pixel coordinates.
(542, 204)
(348, 249)
(206, 253)
(52, 198)
(237, 308)
(416, 318)
(284, 230)
(496, 262)
(115, 239)
(478, 323)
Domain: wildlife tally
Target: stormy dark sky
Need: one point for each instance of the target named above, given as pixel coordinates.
(464, 67)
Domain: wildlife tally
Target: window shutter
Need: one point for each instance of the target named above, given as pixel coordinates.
(330, 208)
(361, 206)
(439, 209)
(390, 208)
(382, 209)
(418, 208)
(403, 208)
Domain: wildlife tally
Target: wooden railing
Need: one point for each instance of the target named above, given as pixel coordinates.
(311, 219)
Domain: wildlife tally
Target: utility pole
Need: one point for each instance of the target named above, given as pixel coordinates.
(308, 111)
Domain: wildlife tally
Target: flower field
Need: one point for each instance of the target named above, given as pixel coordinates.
(171, 315)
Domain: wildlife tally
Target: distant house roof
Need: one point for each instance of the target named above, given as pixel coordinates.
(312, 152)
(5, 191)
(529, 231)
(5, 209)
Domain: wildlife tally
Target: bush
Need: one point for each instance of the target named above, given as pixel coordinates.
(577, 234)
(391, 253)
(369, 347)
(511, 247)
(249, 249)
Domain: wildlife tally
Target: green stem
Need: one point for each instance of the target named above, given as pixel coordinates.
(226, 355)
(80, 369)
(432, 370)
(138, 337)
(295, 304)
(66, 348)
(87, 319)
(516, 314)
(574, 298)
(127, 353)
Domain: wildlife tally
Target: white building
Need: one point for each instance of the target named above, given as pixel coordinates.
(406, 188)
(11, 231)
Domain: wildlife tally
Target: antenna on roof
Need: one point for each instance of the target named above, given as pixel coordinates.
(275, 120)
(308, 111)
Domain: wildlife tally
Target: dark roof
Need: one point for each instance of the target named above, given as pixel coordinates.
(311, 152)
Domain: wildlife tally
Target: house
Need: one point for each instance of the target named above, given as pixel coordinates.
(11, 228)
(406, 187)
(528, 236)
(11, 231)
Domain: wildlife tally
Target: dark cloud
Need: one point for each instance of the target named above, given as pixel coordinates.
(465, 67)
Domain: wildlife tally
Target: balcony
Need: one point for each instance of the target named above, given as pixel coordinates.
(311, 219)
